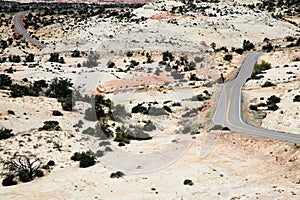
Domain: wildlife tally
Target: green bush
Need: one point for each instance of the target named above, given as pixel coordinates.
(247, 45)
(18, 90)
(54, 57)
(296, 98)
(117, 174)
(67, 103)
(9, 180)
(5, 133)
(5, 80)
(253, 107)
(268, 47)
(273, 100)
(268, 84)
(51, 163)
(39, 173)
(75, 53)
(258, 68)
(228, 57)
(50, 126)
(24, 175)
(272, 107)
(86, 159)
(59, 89)
(126, 135)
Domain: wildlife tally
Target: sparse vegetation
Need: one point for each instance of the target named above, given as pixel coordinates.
(228, 57)
(259, 68)
(296, 98)
(117, 174)
(50, 126)
(86, 159)
(25, 167)
(5, 133)
(124, 135)
(5, 80)
(268, 84)
(188, 182)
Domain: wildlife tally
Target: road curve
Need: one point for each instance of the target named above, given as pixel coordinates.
(19, 27)
(228, 112)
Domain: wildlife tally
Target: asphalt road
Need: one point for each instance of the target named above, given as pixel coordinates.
(21, 30)
(228, 112)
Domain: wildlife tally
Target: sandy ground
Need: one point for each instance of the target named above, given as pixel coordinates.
(237, 167)
(221, 165)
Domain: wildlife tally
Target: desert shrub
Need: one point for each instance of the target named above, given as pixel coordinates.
(217, 127)
(11, 112)
(167, 56)
(139, 109)
(296, 98)
(200, 97)
(39, 173)
(9, 180)
(75, 54)
(253, 107)
(86, 159)
(259, 68)
(168, 109)
(5, 133)
(14, 58)
(124, 136)
(40, 84)
(273, 100)
(100, 131)
(54, 57)
(121, 136)
(67, 103)
(268, 84)
(25, 167)
(228, 57)
(29, 58)
(272, 107)
(50, 126)
(117, 174)
(59, 89)
(267, 47)
(5, 80)
(101, 109)
(110, 64)
(238, 51)
(176, 104)
(51, 163)
(188, 182)
(129, 54)
(247, 45)
(56, 113)
(18, 90)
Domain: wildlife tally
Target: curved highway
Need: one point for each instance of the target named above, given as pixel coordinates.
(19, 27)
(228, 112)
